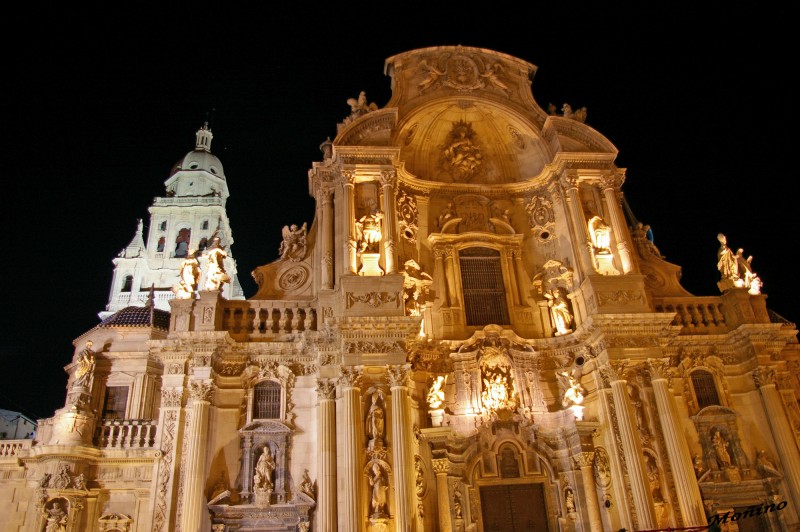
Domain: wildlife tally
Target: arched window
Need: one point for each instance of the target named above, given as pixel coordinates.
(182, 243)
(267, 400)
(161, 242)
(705, 389)
(127, 283)
(484, 291)
(205, 224)
(163, 226)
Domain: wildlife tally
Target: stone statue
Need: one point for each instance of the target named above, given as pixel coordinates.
(380, 487)
(601, 235)
(369, 232)
(189, 277)
(306, 486)
(433, 75)
(573, 391)
(215, 274)
(56, 518)
(62, 479)
(746, 274)
(726, 262)
(699, 468)
(735, 269)
(436, 394)
(293, 246)
(416, 287)
(79, 482)
(721, 450)
(44, 482)
(303, 526)
(376, 420)
(490, 75)
(457, 509)
(264, 468)
(645, 245)
(463, 156)
(446, 214)
(85, 369)
(765, 466)
(359, 107)
(559, 312)
(569, 501)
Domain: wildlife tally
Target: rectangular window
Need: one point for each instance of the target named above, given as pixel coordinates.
(267, 400)
(116, 402)
(704, 389)
(482, 282)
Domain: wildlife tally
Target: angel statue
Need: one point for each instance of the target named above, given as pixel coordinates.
(359, 107)
(293, 246)
(573, 391)
(216, 275)
(189, 277)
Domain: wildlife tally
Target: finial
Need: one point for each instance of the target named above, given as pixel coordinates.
(204, 137)
(151, 297)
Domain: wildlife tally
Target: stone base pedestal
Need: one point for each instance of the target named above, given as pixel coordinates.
(262, 497)
(378, 524)
(369, 265)
(604, 263)
(436, 417)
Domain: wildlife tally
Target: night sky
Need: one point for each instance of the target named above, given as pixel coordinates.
(94, 115)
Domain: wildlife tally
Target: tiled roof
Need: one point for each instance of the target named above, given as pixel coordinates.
(138, 317)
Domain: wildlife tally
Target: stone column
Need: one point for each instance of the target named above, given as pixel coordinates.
(585, 462)
(400, 446)
(522, 285)
(507, 256)
(450, 275)
(350, 383)
(440, 467)
(442, 273)
(327, 238)
(782, 432)
(690, 501)
(247, 467)
(632, 447)
(349, 220)
(610, 185)
(575, 212)
(195, 457)
(388, 179)
(326, 456)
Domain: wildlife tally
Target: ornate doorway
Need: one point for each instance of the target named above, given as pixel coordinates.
(513, 508)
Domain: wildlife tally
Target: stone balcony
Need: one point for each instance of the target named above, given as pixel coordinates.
(13, 449)
(126, 434)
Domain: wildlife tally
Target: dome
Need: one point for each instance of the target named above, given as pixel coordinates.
(199, 159)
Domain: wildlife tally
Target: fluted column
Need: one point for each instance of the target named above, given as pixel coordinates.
(573, 205)
(388, 179)
(400, 445)
(326, 456)
(690, 501)
(195, 457)
(349, 220)
(782, 433)
(610, 184)
(451, 275)
(327, 238)
(350, 383)
(440, 467)
(632, 447)
(585, 462)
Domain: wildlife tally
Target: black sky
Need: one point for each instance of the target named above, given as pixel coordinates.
(94, 115)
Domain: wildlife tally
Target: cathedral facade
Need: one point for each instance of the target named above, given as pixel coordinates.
(472, 334)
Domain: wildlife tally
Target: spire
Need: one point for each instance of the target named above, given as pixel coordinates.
(136, 248)
(204, 137)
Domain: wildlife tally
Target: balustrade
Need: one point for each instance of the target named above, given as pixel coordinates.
(126, 434)
(13, 448)
(696, 315)
(269, 318)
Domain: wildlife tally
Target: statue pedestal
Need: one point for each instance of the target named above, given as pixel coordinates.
(604, 263)
(436, 417)
(262, 497)
(369, 265)
(378, 524)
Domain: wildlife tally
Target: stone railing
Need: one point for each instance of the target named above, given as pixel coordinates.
(696, 315)
(13, 448)
(264, 318)
(133, 298)
(126, 434)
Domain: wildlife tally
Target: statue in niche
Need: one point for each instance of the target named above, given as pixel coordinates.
(601, 235)
(721, 450)
(189, 277)
(638, 409)
(85, 369)
(369, 232)
(457, 509)
(572, 389)
(359, 107)
(462, 155)
(436, 394)
(569, 501)
(496, 385)
(216, 276)
(416, 287)
(699, 468)
(654, 478)
(559, 312)
(380, 487)
(56, 518)
(264, 469)
(376, 419)
(293, 246)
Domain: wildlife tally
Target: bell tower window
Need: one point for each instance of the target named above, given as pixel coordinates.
(484, 291)
(127, 283)
(182, 243)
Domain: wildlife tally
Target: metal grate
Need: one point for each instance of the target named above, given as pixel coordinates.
(482, 282)
(704, 389)
(267, 400)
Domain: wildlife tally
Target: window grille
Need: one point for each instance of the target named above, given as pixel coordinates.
(482, 282)
(116, 402)
(267, 400)
(704, 389)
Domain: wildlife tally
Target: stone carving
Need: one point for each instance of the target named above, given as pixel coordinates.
(699, 467)
(462, 156)
(79, 482)
(380, 487)
(327, 149)
(407, 216)
(735, 269)
(516, 137)
(654, 477)
(351, 378)
(201, 390)
(85, 367)
(373, 299)
(641, 235)
(293, 278)
(638, 410)
(216, 276)
(171, 397)
(569, 500)
(306, 486)
(560, 313)
(262, 479)
(490, 76)
(567, 112)
(376, 421)
(369, 232)
(326, 389)
(571, 389)
(293, 246)
(359, 107)
(541, 217)
(62, 480)
(721, 450)
(457, 507)
(602, 468)
(436, 394)
(419, 479)
(189, 277)
(447, 213)
(765, 466)
(416, 288)
(56, 517)
(432, 76)
(44, 482)
(600, 233)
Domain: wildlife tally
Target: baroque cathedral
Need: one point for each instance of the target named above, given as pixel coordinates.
(472, 334)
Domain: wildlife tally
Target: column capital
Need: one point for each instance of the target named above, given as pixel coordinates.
(763, 376)
(326, 389)
(398, 375)
(584, 459)
(171, 397)
(568, 181)
(351, 377)
(388, 178)
(349, 177)
(613, 372)
(613, 181)
(441, 466)
(659, 369)
(201, 390)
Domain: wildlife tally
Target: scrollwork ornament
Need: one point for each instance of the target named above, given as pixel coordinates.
(201, 390)
(388, 178)
(762, 376)
(326, 389)
(171, 397)
(441, 465)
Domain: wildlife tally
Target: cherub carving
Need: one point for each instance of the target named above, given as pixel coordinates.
(359, 107)
(293, 246)
(433, 76)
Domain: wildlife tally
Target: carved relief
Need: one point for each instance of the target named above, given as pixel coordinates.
(541, 217)
(461, 156)
(462, 72)
(373, 299)
(516, 138)
(165, 469)
(621, 297)
(293, 278)
(407, 216)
